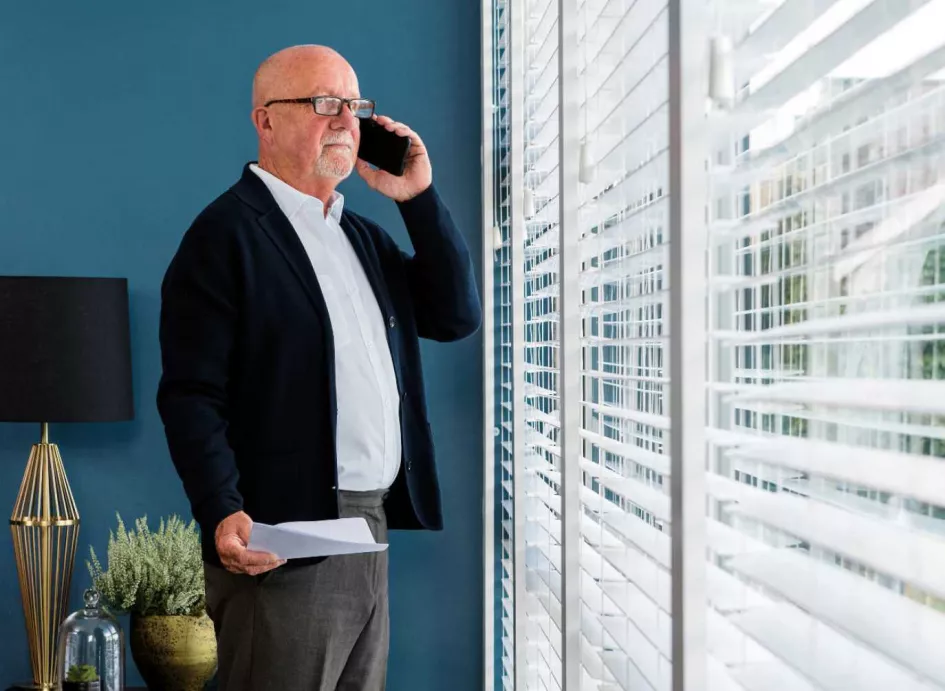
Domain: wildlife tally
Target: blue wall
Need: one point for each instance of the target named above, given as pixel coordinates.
(120, 121)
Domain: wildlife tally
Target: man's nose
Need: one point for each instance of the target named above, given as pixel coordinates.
(346, 118)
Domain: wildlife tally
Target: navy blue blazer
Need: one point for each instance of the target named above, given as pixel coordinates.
(247, 392)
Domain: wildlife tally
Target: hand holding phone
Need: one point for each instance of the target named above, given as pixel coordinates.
(382, 148)
(402, 167)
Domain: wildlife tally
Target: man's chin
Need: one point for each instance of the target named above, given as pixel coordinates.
(334, 167)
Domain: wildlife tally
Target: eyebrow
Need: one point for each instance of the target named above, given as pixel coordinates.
(321, 89)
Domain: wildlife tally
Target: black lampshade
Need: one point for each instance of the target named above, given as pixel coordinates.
(65, 350)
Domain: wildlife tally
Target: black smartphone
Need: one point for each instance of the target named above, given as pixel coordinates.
(382, 149)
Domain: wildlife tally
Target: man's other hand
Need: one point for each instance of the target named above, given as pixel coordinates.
(232, 537)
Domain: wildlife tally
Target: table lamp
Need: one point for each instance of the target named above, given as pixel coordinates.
(65, 356)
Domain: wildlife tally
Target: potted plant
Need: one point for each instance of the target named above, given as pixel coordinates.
(81, 678)
(158, 578)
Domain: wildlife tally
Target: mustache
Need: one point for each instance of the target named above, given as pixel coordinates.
(339, 138)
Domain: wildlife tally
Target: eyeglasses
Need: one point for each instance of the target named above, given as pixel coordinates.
(331, 105)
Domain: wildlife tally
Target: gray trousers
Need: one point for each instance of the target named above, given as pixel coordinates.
(320, 627)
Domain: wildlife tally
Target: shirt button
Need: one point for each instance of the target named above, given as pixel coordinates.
(392, 322)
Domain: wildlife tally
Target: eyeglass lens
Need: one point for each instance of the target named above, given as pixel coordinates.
(360, 108)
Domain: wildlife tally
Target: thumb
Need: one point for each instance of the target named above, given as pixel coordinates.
(232, 541)
(230, 546)
(244, 528)
(370, 176)
(235, 526)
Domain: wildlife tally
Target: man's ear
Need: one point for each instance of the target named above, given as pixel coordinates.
(262, 122)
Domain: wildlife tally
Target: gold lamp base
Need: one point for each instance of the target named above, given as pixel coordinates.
(45, 527)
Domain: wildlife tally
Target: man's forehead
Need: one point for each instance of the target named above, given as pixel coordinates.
(340, 89)
(305, 69)
(330, 80)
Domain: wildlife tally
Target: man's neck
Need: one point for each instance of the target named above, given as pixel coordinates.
(321, 188)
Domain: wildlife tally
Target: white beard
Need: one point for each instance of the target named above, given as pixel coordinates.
(335, 162)
(333, 166)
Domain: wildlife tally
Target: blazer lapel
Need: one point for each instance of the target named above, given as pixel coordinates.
(283, 235)
(254, 192)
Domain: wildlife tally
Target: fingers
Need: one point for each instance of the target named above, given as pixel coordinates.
(229, 547)
(232, 538)
(394, 126)
(253, 570)
(237, 525)
(256, 570)
(250, 562)
(253, 558)
(399, 128)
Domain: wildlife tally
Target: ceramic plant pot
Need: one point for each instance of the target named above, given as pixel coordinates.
(174, 653)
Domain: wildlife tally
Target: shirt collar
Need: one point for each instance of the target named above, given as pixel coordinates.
(291, 200)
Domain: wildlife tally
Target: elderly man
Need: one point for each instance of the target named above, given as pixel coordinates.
(292, 386)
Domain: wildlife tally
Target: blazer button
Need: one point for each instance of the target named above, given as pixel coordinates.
(392, 322)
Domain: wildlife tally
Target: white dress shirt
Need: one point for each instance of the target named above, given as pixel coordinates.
(368, 423)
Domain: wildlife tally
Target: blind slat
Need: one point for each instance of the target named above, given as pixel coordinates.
(831, 50)
(903, 474)
(915, 558)
(775, 31)
(651, 459)
(835, 662)
(902, 628)
(908, 395)
(833, 115)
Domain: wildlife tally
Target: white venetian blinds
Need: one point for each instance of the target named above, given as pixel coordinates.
(823, 164)
(541, 367)
(826, 478)
(505, 322)
(625, 556)
(525, 121)
(620, 243)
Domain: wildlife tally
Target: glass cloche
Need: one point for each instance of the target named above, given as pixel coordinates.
(90, 640)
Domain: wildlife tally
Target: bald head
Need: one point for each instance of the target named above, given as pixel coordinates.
(290, 72)
(311, 151)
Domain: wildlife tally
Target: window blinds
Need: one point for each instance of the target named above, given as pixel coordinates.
(542, 463)
(824, 307)
(625, 280)
(825, 393)
(507, 378)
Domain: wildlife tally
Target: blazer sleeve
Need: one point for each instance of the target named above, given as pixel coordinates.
(197, 328)
(440, 274)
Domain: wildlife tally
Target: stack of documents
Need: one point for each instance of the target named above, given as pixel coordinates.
(302, 539)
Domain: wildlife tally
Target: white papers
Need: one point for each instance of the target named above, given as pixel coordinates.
(300, 539)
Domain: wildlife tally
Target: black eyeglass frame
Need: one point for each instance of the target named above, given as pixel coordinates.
(342, 102)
